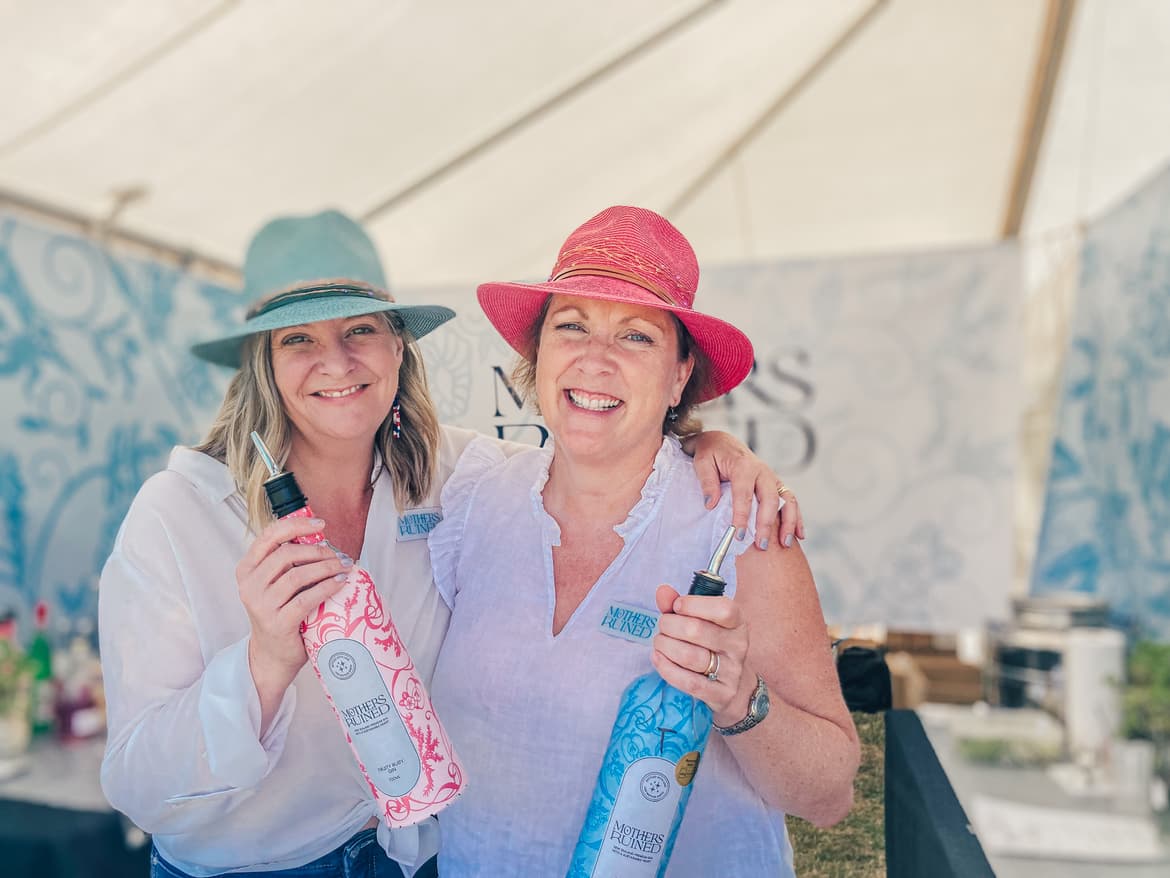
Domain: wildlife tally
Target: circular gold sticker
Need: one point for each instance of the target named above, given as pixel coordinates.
(688, 764)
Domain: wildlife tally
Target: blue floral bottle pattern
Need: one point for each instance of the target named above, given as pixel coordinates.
(648, 771)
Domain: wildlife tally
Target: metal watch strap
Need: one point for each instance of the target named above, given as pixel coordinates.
(754, 715)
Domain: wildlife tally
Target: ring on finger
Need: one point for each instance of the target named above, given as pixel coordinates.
(712, 672)
(783, 489)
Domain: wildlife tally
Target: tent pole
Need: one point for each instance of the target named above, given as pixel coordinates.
(775, 108)
(104, 234)
(526, 118)
(1048, 63)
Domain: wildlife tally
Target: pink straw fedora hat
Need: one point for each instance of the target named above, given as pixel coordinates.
(626, 254)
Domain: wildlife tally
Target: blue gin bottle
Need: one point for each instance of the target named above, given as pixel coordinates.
(649, 769)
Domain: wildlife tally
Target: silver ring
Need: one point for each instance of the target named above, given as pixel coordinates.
(713, 667)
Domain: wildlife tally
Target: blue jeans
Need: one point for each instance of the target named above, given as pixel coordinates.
(360, 857)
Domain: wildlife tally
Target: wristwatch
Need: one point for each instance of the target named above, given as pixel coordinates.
(757, 710)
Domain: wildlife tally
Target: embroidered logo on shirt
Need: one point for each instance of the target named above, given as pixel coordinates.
(417, 523)
(628, 622)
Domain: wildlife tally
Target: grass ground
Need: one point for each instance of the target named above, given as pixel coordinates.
(855, 847)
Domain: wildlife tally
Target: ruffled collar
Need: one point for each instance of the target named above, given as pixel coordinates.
(666, 461)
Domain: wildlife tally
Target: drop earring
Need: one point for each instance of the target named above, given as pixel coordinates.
(396, 419)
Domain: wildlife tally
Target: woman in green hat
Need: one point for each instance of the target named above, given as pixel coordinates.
(221, 742)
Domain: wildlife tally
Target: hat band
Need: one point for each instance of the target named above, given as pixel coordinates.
(618, 274)
(319, 291)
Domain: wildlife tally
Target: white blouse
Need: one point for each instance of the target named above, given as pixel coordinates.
(530, 712)
(184, 759)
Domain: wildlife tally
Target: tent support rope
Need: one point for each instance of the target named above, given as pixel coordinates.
(525, 119)
(118, 79)
(775, 108)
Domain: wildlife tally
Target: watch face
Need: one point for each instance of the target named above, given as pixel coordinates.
(760, 702)
(757, 710)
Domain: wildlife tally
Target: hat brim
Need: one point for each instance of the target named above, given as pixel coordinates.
(513, 308)
(418, 320)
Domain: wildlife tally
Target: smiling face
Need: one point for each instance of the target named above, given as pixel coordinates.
(337, 378)
(606, 372)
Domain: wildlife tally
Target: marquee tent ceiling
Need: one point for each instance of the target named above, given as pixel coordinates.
(473, 136)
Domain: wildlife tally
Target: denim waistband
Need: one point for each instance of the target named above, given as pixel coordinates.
(339, 862)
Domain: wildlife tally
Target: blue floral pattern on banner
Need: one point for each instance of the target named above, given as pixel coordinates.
(1106, 526)
(98, 386)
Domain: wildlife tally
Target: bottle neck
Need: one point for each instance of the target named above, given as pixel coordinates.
(707, 584)
(310, 539)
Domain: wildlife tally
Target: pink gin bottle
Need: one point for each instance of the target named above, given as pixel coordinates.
(371, 682)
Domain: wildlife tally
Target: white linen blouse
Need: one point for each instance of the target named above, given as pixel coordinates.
(185, 759)
(530, 712)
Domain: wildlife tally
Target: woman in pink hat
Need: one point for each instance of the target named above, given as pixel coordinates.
(222, 744)
(537, 551)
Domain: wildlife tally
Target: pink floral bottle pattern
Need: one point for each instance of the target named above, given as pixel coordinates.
(371, 683)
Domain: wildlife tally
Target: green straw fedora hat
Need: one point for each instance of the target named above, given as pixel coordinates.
(301, 269)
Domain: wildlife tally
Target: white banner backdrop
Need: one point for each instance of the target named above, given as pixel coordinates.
(885, 390)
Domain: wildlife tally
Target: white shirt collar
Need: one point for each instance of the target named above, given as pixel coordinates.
(214, 480)
(208, 475)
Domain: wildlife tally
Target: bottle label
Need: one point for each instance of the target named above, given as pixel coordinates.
(640, 822)
(42, 708)
(688, 764)
(379, 736)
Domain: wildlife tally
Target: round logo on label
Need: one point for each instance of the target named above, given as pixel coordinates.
(655, 785)
(685, 768)
(342, 665)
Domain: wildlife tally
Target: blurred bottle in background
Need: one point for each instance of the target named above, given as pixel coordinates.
(8, 625)
(80, 702)
(15, 724)
(40, 653)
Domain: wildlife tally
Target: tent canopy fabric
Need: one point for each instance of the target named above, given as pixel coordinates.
(472, 137)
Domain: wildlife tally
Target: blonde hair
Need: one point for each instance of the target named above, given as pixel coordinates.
(686, 422)
(252, 402)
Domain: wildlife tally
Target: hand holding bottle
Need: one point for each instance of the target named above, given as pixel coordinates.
(280, 583)
(692, 629)
(369, 679)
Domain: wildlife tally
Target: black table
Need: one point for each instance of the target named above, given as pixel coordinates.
(55, 822)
